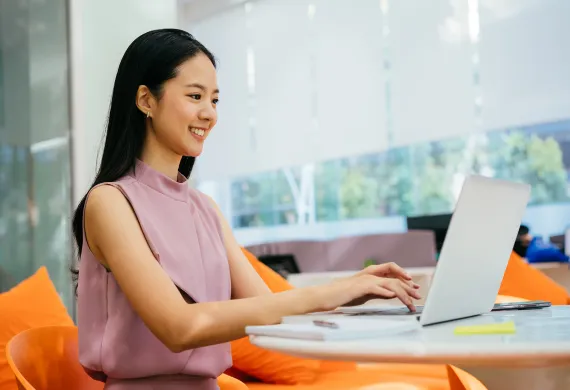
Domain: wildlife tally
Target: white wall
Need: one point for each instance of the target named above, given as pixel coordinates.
(100, 33)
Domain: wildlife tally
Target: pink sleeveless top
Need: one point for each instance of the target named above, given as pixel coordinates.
(185, 236)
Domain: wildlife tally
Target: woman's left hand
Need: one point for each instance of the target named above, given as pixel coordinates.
(386, 270)
(389, 270)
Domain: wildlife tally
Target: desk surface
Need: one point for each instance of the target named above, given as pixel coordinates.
(542, 339)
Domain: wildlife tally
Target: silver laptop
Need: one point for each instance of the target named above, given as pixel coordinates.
(474, 255)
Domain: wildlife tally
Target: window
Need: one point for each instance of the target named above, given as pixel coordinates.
(380, 111)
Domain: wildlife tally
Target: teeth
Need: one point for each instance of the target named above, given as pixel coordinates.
(199, 132)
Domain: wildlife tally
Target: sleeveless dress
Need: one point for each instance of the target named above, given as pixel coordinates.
(185, 236)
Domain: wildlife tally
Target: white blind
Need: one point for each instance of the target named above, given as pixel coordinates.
(310, 80)
(525, 62)
(281, 43)
(227, 150)
(432, 95)
(350, 78)
(313, 89)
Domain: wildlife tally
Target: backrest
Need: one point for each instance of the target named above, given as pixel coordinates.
(524, 281)
(461, 380)
(411, 249)
(47, 358)
(226, 382)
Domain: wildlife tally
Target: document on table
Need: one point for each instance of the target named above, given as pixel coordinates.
(335, 329)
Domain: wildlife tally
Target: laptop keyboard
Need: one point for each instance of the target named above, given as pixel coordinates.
(394, 311)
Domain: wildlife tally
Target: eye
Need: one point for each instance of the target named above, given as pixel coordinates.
(195, 96)
(215, 101)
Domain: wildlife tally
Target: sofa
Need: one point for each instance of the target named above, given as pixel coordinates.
(415, 248)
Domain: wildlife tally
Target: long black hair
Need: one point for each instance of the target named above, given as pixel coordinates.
(152, 59)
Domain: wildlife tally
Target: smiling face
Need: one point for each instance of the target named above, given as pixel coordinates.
(183, 117)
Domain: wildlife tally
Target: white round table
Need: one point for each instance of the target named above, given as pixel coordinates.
(540, 347)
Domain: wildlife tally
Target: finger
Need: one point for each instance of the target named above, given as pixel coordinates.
(383, 292)
(391, 270)
(411, 290)
(411, 284)
(398, 272)
(402, 295)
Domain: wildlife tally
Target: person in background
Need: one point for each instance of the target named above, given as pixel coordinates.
(163, 285)
(535, 250)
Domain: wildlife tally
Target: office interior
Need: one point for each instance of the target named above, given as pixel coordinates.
(337, 119)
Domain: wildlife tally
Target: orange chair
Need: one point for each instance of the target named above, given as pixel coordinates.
(459, 379)
(523, 280)
(47, 358)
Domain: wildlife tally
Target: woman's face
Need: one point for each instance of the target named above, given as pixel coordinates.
(186, 111)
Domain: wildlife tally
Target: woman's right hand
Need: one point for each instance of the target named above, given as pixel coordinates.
(358, 289)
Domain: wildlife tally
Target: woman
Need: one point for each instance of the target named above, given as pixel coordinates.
(163, 285)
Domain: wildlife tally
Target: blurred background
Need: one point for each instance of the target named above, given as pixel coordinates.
(336, 118)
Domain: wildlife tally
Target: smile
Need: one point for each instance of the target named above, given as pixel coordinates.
(197, 131)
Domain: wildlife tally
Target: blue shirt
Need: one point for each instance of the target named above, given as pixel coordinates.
(541, 252)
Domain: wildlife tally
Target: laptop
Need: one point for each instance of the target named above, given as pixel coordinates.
(474, 256)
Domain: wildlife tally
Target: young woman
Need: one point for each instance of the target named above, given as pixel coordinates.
(163, 285)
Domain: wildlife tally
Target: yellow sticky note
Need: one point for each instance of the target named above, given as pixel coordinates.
(499, 328)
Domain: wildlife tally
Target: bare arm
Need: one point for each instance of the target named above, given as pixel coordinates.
(246, 282)
(117, 241)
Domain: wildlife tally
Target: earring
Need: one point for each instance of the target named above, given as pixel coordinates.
(148, 114)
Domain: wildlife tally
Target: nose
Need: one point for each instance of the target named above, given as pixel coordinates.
(207, 113)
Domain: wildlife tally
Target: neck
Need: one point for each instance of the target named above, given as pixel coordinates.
(161, 160)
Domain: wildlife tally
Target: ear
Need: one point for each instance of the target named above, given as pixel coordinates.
(145, 100)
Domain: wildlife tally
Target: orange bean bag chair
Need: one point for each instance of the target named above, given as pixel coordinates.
(524, 281)
(273, 371)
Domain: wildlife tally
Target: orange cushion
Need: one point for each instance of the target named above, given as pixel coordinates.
(272, 279)
(240, 375)
(268, 366)
(32, 303)
(461, 380)
(277, 283)
(389, 377)
(524, 281)
(226, 382)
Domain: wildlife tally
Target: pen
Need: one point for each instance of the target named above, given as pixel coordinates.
(325, 324)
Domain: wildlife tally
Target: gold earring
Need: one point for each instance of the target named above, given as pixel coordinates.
(148, 114)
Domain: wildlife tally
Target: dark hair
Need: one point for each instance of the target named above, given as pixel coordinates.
(150, 60)
(519, 247)
(523, 230)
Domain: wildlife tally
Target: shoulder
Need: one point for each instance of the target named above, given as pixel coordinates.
(212, 203)
(104, 201)
(108, 217)
(104, 194)
(206, 200)
(214, 211)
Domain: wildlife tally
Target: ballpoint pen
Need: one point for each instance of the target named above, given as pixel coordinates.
(326, 324)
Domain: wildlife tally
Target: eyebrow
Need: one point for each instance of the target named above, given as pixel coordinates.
(200, 86)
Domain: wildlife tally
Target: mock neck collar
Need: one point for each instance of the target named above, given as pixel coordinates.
(158, 181)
